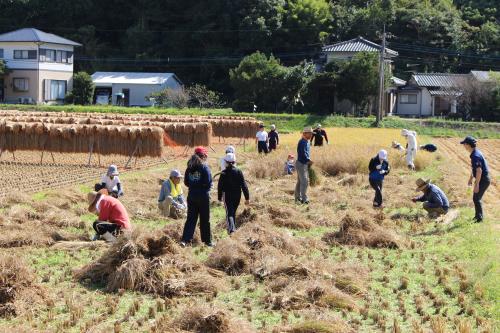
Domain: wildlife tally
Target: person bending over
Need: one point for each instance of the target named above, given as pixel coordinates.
(112, 216)
(171, 201)
(435, 201)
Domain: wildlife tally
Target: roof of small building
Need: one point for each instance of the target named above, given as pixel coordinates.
(35, 35)
(438, 79)
(132, 78)
(483, 76)
(440, 92)
(357, 45)
(397, 81)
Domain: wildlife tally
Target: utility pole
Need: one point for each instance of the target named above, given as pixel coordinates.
(381, 75)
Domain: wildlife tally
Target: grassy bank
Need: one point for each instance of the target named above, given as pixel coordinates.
(294, 122)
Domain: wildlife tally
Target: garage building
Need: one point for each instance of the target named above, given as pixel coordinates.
(131, 88)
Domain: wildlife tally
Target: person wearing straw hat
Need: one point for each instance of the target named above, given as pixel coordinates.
(112, 216)
(274, 138)
(379, 168)
(411, 147)
(231, 184)
(302, 166)
(229, 149)
(111, 182)
(171, 201)
(262, 138)
(318, 135)
(435, 201)
(480, 175)
(198, 179)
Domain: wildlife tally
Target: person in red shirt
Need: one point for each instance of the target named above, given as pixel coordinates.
(112, 216)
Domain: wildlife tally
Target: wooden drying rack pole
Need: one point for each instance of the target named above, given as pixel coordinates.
(139, 141)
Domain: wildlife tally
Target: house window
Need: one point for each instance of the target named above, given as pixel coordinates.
(48, 55)
(55, 90)
(408, 98)
(24, 54)
(1, 53)
(20, 84)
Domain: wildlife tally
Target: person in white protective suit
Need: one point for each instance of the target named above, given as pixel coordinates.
(411, 147)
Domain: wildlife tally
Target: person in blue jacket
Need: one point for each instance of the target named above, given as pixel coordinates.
(379, 168)
(480, 175)
(302, 166)
(435, 201)
(231, 184)
(198, 179)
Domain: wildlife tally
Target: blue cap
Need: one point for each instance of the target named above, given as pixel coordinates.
(469, 140)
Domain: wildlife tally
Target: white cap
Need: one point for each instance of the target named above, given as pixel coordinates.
(318, 126)
(273, 127)
(230, 158)
(382, 154)
(176, 174)
(230, 149)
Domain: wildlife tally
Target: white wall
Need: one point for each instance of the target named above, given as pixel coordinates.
(409, 109)
(9, 47)
(426, 103)
(138, 92)
(8, 53)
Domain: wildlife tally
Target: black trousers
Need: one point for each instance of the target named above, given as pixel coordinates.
(101, 228)
(272, 146)
(478, 205)
(198, 207)
(231, 205)
(377, 186)
(262, 147)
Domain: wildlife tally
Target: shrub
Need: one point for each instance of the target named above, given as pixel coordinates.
(83, 89)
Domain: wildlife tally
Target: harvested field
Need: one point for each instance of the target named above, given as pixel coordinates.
(335, 265)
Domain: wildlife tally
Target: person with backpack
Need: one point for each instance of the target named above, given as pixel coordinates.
(274, 138)
(379, 168)
(231, 184)
(198, 179)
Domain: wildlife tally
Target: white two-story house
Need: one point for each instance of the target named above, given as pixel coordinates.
(39, 67)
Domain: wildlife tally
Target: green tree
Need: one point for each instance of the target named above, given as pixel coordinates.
(258, 80)
(357, 79)
(83, 89)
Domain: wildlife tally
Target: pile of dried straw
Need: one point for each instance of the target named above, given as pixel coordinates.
(359, 231)
(151, 264)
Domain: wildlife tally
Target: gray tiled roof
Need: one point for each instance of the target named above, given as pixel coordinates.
(357, 45)
(35, 35)
(439, 79)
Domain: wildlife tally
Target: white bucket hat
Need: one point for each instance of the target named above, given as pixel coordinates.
(230, 158)
(273, 127)
(382, 154)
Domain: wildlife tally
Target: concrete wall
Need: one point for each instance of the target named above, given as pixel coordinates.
(12, 96)
(408, 109)
(138, 92)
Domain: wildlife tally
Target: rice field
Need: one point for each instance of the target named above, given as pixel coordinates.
(336, 265)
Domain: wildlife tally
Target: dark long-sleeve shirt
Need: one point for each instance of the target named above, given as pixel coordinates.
(231, 184)
(435, 197)
(198, 180)
(477, 161)
(304, 151)
(374, 172)
(273, 137)
(317, 137)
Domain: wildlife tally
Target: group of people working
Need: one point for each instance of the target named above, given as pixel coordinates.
(113, 217)
(435, 201)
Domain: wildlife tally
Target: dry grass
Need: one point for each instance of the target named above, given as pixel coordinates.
(338, 326)
(152, 264)
(356, 230)
(18, 292)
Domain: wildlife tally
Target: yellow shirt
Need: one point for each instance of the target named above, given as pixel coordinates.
(175, 190)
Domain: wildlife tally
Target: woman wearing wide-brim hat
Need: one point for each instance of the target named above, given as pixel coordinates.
(435, 201)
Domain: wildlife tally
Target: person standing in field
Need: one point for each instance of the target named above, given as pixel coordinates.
(318, 135)
(261, 138)
(480, 176)
(171, 201)
(111, 182)
(198, 179)
(274, 138)
(411, 147)
(302, 166)
(379, 168)
(231, 184)
(112, 216)
(229, 149)
(435, 201)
